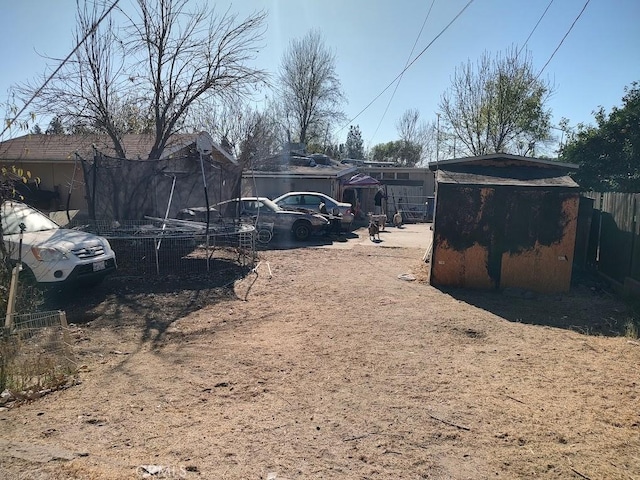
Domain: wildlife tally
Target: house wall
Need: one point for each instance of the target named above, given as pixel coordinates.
(500, 237)
(407, 190)
(274, 187)
(57, 176)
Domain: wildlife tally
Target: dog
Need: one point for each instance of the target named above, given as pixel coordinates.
(397, 219)
(374, 231)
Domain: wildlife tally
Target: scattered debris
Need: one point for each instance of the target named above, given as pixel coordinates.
(150, 470)
(407, 277)
(461, 427)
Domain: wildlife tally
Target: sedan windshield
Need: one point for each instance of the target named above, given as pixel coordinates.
(14, 213)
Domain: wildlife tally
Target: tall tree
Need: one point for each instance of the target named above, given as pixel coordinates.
(354, 145)
(416, 135)
(55, 127)
(159, 64)
(250, 134)
(609, 153)
(311, 93)
(400, 152)
(498, 105)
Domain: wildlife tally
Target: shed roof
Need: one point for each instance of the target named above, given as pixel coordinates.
(501, 160)
(507, 176)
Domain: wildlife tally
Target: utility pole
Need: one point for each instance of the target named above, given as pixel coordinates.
(438, 138)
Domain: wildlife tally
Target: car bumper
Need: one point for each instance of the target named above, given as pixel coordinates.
(86, 273)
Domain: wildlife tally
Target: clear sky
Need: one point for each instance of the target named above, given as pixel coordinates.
(372, 41)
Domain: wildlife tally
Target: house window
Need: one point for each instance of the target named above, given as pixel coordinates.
(387, 176)
(402, 176)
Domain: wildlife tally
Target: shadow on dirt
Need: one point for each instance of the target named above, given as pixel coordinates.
(283, 242)
(150, 302)
(590, 307)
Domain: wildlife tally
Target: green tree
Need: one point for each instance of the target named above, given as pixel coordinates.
(497, 105)
(609, 153)
(416, 134)
(354, 144)
(400, 152)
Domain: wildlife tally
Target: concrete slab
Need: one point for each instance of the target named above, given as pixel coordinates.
(413, 235)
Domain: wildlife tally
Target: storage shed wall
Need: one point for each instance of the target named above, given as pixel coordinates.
(499, 237)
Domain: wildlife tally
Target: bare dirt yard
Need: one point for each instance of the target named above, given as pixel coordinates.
(336, 362)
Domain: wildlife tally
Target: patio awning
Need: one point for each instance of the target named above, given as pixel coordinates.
(361, 180)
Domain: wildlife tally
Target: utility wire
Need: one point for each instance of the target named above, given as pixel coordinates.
(563, 38)
(408, 66)
(535, 27)
(400, 79)
(55, 72)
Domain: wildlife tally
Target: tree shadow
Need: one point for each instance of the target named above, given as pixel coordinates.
(150, 302)
(284, 242)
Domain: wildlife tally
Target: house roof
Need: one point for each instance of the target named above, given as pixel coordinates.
(296, 165)
(319, 171)
(63, 148)
(501, 160)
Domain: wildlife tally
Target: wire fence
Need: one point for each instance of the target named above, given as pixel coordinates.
(175, 247)
(35, 351)
(414, 209)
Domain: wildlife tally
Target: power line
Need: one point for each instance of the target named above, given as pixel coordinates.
(400, 79)
(408, 66)
(563, 38)
(535, 27)
(37, 92)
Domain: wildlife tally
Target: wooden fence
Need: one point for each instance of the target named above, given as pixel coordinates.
(613, 245)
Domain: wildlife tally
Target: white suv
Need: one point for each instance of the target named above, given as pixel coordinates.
(54, 255)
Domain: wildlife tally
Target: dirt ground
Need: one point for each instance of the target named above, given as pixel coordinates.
(336, 362)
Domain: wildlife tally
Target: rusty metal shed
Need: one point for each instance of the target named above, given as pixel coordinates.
(504, 221)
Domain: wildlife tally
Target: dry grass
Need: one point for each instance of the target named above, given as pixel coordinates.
(336, 368)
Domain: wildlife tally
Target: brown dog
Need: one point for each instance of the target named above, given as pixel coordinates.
(374, 231)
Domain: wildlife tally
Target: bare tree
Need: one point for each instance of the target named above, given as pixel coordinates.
(311, 93)
(416, 134)
(160, 64)
(497, 105)
(251, 135)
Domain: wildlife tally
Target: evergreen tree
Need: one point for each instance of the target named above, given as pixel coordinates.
(354, 144)
(55, 127)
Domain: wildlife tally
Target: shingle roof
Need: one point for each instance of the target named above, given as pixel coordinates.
(63, 148)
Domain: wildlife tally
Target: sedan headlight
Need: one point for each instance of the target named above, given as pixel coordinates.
(48, 254)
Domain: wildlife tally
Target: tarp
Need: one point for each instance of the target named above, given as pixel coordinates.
(361, 180)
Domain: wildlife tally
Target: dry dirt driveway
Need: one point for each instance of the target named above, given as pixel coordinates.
(324, 364)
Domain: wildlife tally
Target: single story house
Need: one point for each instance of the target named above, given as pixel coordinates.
(84, 175)
(296, 172)
(408, 189)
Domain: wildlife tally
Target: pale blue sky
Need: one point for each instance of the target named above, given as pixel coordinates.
(372, 40)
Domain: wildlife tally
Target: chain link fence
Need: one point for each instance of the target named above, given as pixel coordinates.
(174, 247)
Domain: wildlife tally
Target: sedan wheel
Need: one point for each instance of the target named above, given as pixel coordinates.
(301, 231)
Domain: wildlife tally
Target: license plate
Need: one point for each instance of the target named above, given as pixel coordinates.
(99, 266)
